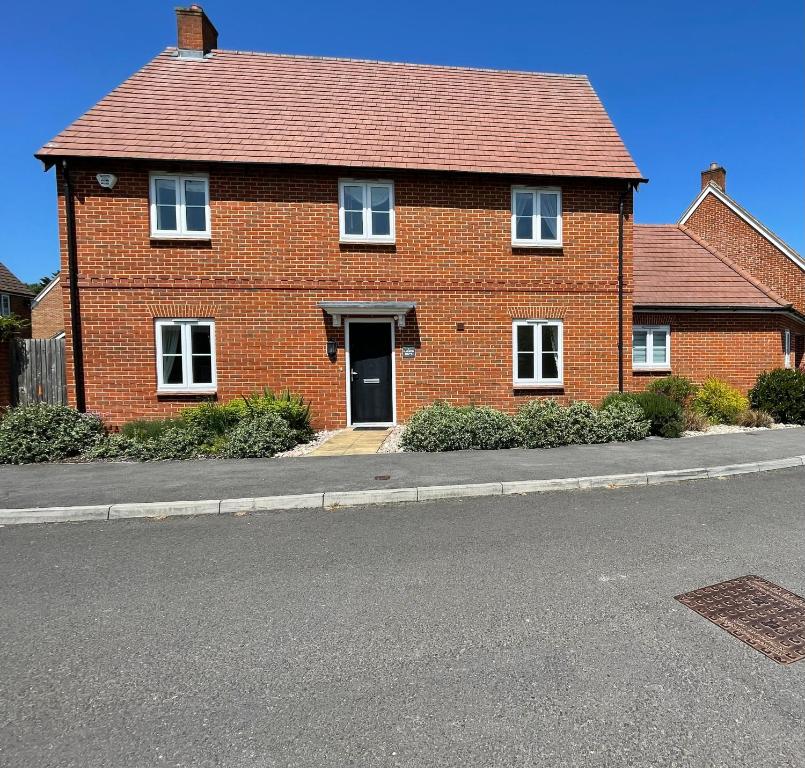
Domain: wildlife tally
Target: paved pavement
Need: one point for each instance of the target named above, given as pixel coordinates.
(352, 442)
(516, 631)
(81, 484)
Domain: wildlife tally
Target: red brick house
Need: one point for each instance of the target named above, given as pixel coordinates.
(374, 236)
(717, 294)
(47, 311)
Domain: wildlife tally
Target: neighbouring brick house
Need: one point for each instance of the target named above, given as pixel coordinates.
(15, 299)
(47, 311)
(374, 236)
(717, 294)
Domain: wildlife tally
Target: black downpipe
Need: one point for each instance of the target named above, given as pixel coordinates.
(75, 304)
(621, 204)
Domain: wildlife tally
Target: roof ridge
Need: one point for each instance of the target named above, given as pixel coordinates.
(735, 267)
(460, 67)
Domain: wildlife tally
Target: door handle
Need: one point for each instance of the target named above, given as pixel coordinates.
(353, 374)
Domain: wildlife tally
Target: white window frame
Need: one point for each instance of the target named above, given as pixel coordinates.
(539, 380)
(537, 241)
(5, 304)
(649, 364)
(181, 230)
(787, 348)
(187, 371)
(367, 236)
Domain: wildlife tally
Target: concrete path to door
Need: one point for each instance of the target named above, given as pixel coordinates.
(352, 442)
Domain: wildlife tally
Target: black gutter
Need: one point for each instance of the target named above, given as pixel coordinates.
(75, 304)
(718, 309)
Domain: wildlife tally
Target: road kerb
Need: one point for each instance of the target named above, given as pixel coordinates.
(380, 495)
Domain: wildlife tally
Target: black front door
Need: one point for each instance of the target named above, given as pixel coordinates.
(370, 373)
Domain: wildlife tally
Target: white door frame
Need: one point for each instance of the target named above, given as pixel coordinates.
(347, 322)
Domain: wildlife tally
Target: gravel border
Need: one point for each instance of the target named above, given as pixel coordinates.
(392, 443)
(730, 429)
(303, 449)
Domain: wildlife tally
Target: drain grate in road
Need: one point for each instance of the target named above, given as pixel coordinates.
(767, 617)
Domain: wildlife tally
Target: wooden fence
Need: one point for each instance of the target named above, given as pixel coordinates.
(37, 367)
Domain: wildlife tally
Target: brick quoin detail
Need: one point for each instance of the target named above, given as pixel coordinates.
(275, 253)
(47, 317)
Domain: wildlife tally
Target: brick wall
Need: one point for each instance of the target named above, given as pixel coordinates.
(732, 347)
(275, 253)
(731, 235)
(47, 316)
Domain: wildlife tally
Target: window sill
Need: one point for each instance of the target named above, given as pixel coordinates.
(187, 391)
(193, 238)
(543, 246)
(553, 385)
(652, 369)
(365, 241)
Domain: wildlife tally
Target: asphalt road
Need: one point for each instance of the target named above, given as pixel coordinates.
(516, 631)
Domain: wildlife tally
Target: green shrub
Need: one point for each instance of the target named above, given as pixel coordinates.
(753, 418)
(443, 427)
(260, 435)
(781, 392)
(542, 424)
(147, 429)
(177, 441)
(217, 419)
(623, 422)
(41, 432)
(679, 388)
(665, 416)
(719, 402)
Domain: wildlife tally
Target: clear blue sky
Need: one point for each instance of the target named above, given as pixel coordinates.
(685, 82)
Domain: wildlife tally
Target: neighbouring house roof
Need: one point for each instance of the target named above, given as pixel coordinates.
(739, 210)
(9, 283)
(44, 292)
(674, 268)
(269, 108)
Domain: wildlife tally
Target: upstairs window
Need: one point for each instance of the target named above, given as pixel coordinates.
(5, 305)
(180, 206)
(185, 355)
(537, 352)
(651, 346)
(536, 216)
(366, 211)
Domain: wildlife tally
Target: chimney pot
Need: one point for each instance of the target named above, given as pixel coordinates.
(716, 174)
(195, 34)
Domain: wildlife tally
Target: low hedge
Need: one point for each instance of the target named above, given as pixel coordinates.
(679, 388)
(443, 427)
(537, 424)
(781, 393)
(259, 436)
(666, 417)
(41, 432)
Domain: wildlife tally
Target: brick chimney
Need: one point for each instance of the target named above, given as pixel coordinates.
(717, 175)
(196, 36)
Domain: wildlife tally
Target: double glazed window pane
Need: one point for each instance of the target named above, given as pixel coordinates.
(524, 215)
(550, 352)
(659, 347)
(166, 200)
(380, 200)
(639, 347)
(195, 204)
(201, 350)
(549, 216)
(525, 352)
(353, 209)
(172, 371)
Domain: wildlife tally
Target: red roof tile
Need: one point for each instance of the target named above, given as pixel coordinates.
(269, 108)
(672, 267)
(9, 283)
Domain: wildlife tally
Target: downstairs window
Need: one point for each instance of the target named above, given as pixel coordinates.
(185, 355)
(651, 346)
(537, 348)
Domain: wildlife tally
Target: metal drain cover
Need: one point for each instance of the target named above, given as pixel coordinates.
(767, 617)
